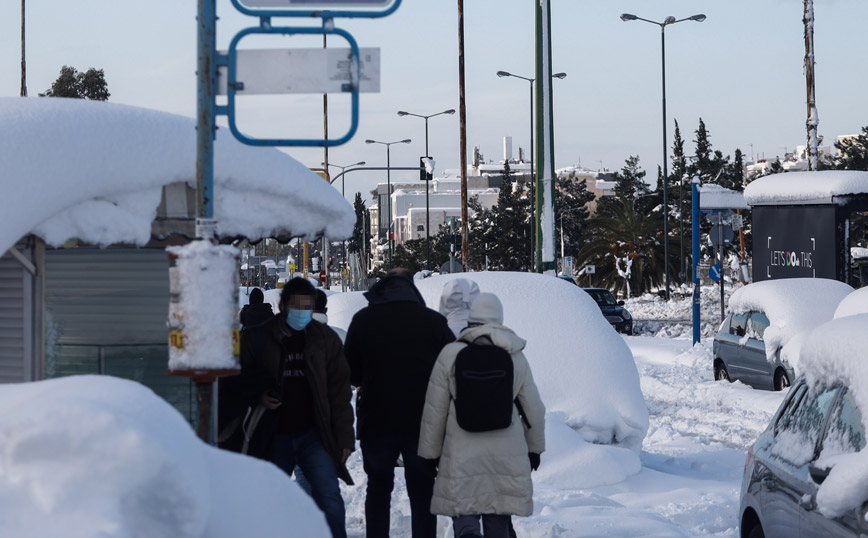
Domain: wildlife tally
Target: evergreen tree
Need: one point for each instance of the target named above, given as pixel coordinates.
(678, 161)
(571, 211)
(361, 229)
(71, 83)
(506, 228)
(853, 152)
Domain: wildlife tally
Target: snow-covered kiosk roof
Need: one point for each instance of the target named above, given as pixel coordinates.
(96, 171)
(837, 187)
(713, 196)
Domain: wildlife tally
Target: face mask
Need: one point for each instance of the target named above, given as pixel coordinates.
(298, 319)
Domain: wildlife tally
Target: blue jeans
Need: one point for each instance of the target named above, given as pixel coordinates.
(319, 468)
(379, 454)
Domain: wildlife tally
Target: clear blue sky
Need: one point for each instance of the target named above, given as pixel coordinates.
(740, 70)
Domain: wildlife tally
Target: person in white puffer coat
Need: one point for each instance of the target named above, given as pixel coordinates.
(482, 475)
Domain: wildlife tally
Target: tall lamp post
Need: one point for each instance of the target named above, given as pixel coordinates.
(669, 20)
(389, 187)
(532, 179)
(427, 154)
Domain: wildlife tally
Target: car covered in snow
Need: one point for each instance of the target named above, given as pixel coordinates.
(807, 473)
(758, 343)
(614, 312)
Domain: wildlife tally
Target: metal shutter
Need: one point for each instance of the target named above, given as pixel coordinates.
(15, 308)
(106, 313)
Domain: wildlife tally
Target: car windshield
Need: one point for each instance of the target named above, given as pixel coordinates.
(603, 297)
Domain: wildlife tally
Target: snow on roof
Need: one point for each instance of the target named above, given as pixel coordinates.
(584, 370)
(834, 353)
(794, 306)
(854, 303)
(87, 456)
(95, 171)
(820, 187)
(713, 196)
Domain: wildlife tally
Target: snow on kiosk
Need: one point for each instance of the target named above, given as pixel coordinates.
(93, 193)
(801, 223)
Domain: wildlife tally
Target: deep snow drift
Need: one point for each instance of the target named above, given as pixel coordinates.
(89, 456)
(596, 417)
(95, 170)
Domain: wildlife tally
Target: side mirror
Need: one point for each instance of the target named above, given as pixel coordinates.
(818, 474)
(620, 303)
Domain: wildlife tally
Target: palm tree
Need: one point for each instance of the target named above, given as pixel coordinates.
(618, 234)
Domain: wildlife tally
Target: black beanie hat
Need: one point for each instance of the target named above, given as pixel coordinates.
(256, 296)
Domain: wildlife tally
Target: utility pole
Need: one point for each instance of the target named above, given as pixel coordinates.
(545, 207)
(462, 138)
(813, 120)
(23, 62)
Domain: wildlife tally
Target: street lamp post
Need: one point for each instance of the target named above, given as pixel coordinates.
(669, 20)
(427, 154)
(532, 178)
(389, 187)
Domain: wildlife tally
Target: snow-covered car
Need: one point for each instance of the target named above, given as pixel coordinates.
(614, 312)
(758, 343)
(807, 473)
(855, 303)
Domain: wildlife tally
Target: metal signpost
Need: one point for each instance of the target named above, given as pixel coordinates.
(320, 72)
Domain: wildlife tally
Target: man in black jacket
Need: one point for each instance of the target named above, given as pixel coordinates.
(392, 345)
(293, 372)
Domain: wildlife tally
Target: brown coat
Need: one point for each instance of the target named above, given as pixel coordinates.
(262, 363)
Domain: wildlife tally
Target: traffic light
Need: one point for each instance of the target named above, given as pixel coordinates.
(330, 262)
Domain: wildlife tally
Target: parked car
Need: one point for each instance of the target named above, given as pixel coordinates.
(759, 341)
(806, 473)
(614, 311)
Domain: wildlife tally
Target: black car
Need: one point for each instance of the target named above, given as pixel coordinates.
(613, 310)
(781, 473)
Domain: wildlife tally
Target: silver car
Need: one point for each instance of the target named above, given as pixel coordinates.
(740, 354)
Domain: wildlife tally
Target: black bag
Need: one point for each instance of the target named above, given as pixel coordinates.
(483, 388)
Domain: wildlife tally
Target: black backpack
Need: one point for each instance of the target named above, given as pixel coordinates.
(483, 388)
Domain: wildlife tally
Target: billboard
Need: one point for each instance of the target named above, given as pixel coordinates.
(797, 241)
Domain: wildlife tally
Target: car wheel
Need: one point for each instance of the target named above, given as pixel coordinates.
(756, 532)
(721, 373)
(782, 380)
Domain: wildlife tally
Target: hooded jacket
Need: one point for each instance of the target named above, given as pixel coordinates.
(455, 301)
(391, 346)
(486, 472)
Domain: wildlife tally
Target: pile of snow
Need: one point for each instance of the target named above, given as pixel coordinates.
(854, 303)
(204, 313)
(835, 354)
(596, 415)
(94, 171)
(90, 456)
(819, 187)
(794, 306)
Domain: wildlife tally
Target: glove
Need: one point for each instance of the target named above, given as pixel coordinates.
(534, 460)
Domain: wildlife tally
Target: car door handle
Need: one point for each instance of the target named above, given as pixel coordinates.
(769, 484)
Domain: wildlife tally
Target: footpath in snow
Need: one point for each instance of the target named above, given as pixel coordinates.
(692, 459)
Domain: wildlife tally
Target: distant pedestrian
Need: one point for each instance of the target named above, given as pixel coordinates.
(297, 378)
(391, 346)
(320, 313)
(455, 301)
(256, 310)
(483, 474)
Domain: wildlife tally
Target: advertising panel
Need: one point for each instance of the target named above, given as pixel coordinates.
(794, 242)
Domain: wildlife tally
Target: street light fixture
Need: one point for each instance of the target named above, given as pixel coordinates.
(389, 187)
(532, 180)
(667, 21)
(427, 154)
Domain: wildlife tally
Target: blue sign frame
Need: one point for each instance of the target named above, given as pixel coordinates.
(230, 60)
(323, 13)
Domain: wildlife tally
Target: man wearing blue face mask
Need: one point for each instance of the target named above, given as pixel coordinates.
(296, 377)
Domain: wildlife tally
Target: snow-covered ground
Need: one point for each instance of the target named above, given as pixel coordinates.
(691, 461)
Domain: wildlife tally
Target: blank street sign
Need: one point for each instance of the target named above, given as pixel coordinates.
(301, 70)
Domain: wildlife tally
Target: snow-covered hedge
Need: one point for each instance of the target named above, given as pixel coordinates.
(596, 415)
(89, 456)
